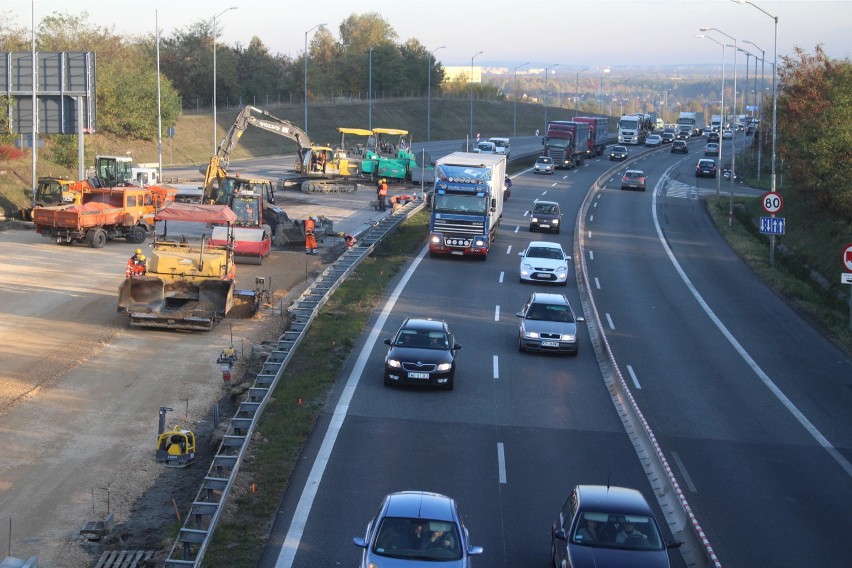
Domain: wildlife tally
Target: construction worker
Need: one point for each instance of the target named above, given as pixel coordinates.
(137, 265)
(310, 237)
(382, 192)
(348, 240)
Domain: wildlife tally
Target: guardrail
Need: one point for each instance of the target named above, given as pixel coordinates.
(200, 523)
(682, 522)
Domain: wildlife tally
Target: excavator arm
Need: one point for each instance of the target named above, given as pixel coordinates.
(218, 165)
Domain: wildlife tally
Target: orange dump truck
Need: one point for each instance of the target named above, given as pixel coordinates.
(103, 214)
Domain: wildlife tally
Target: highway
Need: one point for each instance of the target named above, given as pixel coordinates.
(706, 349)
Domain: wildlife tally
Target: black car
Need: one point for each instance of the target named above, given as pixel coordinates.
(618, 153)
(668, 137)
(679, 147)
(546, 216)
(713, 137)
(422, 352)
(705, 168)
(605, 527)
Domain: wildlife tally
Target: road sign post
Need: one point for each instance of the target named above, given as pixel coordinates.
(846, 277)
(772, 203)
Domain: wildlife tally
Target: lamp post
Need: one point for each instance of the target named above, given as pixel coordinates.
(215, 145)
(471, 93)
(733, 138)
(370, 93)
(546, 72)
(429, 96)
(515, 105)
(759, 103)
(306, 72)
(577, 84)
(722, 113)
(774, 114)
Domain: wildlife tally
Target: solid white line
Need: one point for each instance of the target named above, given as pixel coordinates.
(306, 501)
(497, 313)
(773, 388)
(684, 473)
(609, 321)
(500, 280)
(597, 283)
(496, 367)
(633, 376)
(501, 462)
(591, 255)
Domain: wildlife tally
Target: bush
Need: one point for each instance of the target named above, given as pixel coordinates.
(10, 153)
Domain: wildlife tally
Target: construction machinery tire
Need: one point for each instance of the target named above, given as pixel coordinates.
(97, 238)
(137, 235)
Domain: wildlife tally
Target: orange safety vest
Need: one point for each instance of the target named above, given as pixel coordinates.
(309, 227)
(383, 190)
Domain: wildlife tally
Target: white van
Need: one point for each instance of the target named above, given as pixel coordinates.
(501, 146)
(485, 148)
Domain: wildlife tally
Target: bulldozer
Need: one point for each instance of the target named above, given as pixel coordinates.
(188, 285)
(175, 447)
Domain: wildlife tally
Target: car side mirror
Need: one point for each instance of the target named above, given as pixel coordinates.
(474, 550)
(580, 319)
(560, 535)
(387, 341)
(674, 544)
(456, 346)
(359, 542)
(519, 314)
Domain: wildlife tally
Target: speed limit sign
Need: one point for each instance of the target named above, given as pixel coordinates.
(772, 202)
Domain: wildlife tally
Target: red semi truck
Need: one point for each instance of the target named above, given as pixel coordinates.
(566, 142)
(598, 134)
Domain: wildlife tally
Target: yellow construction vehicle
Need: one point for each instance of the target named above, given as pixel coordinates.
(175, 447)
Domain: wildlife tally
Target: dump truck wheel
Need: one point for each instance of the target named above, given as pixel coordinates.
(99, 239)
(137, 235)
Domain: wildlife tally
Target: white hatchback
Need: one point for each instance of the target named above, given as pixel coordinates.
(544, 261)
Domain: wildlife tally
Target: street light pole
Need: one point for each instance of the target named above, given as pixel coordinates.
(577, 86)
(546, 73)
(370, 93)
(774, 114)
(515, 97)
(306, 72)
(722, 115)
(471, 94)
(215, 143)
(759, 104)
(429, 96)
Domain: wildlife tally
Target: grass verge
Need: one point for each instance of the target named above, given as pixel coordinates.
(301, 396)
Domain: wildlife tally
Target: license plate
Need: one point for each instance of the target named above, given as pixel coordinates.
(550, 344)
(458, 252)
(418, 375)
(546, 276)
(543, 226)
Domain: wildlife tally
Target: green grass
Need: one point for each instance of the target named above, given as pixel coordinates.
(300, 397)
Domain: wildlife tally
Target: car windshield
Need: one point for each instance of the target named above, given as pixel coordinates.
(547, 208)
(544, 160)
(545, 252)
(550, 312)
(607, 530)
(419, 539)
(422, 339)
(619, 149)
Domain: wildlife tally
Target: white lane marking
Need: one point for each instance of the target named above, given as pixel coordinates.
(501, 462)
(633, 376)
(591, 217)
(309, 491)
(496, 367)
(609, 321)
(773, 388)
(591, 255)
(590, 233)
(684, 473)
(597, 283)
(501, 277)
(497, 313)
(543, 193)
(509, 250)
(553, 184)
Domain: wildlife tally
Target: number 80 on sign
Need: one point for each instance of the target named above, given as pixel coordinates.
(772, 202)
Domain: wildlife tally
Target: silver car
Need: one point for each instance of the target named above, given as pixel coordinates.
(548, 324)
(544, 165)
(414, 529)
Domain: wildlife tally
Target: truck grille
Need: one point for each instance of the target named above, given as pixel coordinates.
(461, 228)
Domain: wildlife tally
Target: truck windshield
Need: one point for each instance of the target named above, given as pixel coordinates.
(465, 204)
(557, 142)
(634, 124)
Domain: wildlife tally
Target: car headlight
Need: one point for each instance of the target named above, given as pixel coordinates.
(531, 334)
(393, 363)
(526, 266)
(444, 367)
(533, 219)
(563, 268)
(556, 221)
(567, 337)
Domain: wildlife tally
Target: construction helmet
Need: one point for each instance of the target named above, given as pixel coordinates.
(138, 251)
(142, 257)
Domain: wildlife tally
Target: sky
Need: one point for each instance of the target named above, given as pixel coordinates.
(572, 34)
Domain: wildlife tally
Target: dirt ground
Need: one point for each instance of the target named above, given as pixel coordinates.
(80, 393)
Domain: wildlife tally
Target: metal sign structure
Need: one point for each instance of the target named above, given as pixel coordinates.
(64, 81)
